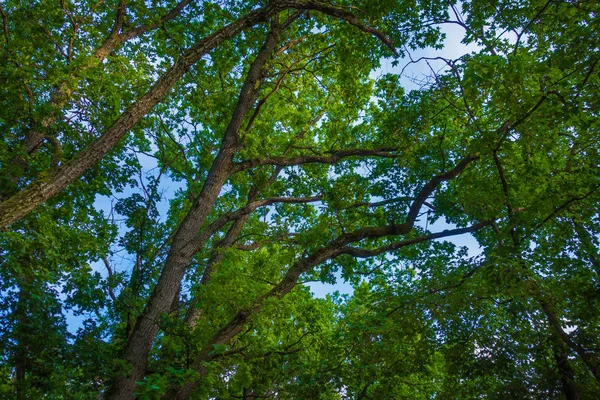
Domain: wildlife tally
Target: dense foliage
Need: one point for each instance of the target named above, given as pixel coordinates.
(174, 174)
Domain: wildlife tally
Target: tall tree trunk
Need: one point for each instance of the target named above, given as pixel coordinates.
(185, 242)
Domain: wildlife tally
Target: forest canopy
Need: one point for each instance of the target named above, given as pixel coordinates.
(174, 175)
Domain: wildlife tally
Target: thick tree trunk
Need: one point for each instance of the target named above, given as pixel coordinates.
(48, 186)
(185, 242)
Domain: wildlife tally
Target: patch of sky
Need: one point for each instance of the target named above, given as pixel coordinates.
(417, 67)
(122, 261)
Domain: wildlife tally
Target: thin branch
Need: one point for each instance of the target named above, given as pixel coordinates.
(219, 223)
(506, 196)
(330, 157)
(347, 16)
(531, 21)
(433, 184)
(365, 253)
(110, 275)
(562, 207)
(57, 151)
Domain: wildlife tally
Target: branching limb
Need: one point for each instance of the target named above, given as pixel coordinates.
(335, 248)
(224, 219)
(365, 253)
(340, 13)
(330, 157)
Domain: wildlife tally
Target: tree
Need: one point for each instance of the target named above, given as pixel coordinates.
(294, 163)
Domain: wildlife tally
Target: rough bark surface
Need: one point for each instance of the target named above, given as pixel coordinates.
(185, 241)
(48, 186)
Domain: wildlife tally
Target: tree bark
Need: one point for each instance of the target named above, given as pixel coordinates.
(185, 243)
(591, 364)
(50, 185)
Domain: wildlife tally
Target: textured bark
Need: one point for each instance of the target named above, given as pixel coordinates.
(48, 186)
(185, 242)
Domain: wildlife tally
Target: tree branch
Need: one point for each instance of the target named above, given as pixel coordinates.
(140, 30)
(335, 248)
(340, 13)
(365, 253)
(330, 157)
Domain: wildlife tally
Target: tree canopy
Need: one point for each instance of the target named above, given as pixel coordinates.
(174, 174)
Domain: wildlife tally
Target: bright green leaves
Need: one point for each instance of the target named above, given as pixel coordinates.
(424, 321)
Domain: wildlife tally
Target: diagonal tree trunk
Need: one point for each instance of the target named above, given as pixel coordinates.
(185, 243)
(55, 181)
(567, 376)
